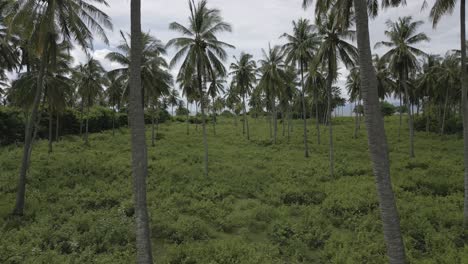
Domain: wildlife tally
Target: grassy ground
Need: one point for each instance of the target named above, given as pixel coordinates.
(261, 203)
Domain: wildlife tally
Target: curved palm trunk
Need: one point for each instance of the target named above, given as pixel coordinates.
(304, 112)
(246, 122)
(27, 149)
(464, 79)
(401, 117)
(139, 150)
(50, 129)
(196, 116)
(377, 140)
(404, 78)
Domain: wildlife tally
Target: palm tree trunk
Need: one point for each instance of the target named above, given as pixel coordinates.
(275, 123)
(330, 126)
(196, 116)
(401, 117)
(57, 127)
(289, 121)
(50, 129)
(188, 117)
(404, 77)
(246, 122)
(317, 123)
(113, 121)
(377, 140)
(202, 106)
(139, 150)
(270, 125)
(27, 148)
(87, 127)
(464, 81)
(153, 137)
(81, 116)
(442, 127)
(356, 125)
(426, 113)
(214, 117)
(304, 112)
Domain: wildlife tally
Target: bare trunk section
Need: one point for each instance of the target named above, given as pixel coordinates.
(57, 128)
(27, 149)
(404, 78)
(377, 140)
(138, 140)
(304, 113)
(317, 121)
(442, 127)
(202, 106)
(329, 119)
(246, 122)
(50, 129)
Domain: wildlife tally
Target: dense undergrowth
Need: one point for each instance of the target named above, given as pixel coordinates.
(261, 203)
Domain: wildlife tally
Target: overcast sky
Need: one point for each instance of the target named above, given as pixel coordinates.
(259, 22)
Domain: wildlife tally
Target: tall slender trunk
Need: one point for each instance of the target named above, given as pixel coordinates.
(50, 129)
(196, 116)
(188, 117)
(113, 121)
(202, 106)
(377, 140)
(27, 148)
(426, 113)
(275, 123)
(317, 121)
(283, 123)
(214, 118)
(404, 78)
(442, 127)
(289, 121)
(87, 125)
(57, 128)
(330, 125)
(153, 136)
(401, 118)
(270, 125)
(356, 117)
(464, 81)
(138, 141)
(246, 122)
(81, 116)
(304, 113)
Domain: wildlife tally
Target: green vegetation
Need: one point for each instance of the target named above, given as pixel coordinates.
(261, 203)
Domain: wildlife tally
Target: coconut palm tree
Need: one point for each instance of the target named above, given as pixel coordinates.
(334, 48)
(402, 57)
(172, 99)
(316, 84)
(360, 12)
(46, 22)
(273, 79)
(138, 141)
(244, 75)
(439, 9)
(299, 51)
(115, 92)
(353, 85)
(90, 80)
(154, 69)
(216, 87)
(201, 51)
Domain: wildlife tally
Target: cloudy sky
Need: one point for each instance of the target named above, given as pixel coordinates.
(256, 23)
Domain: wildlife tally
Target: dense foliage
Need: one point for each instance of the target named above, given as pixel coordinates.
(258, 205)
(12, 122)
